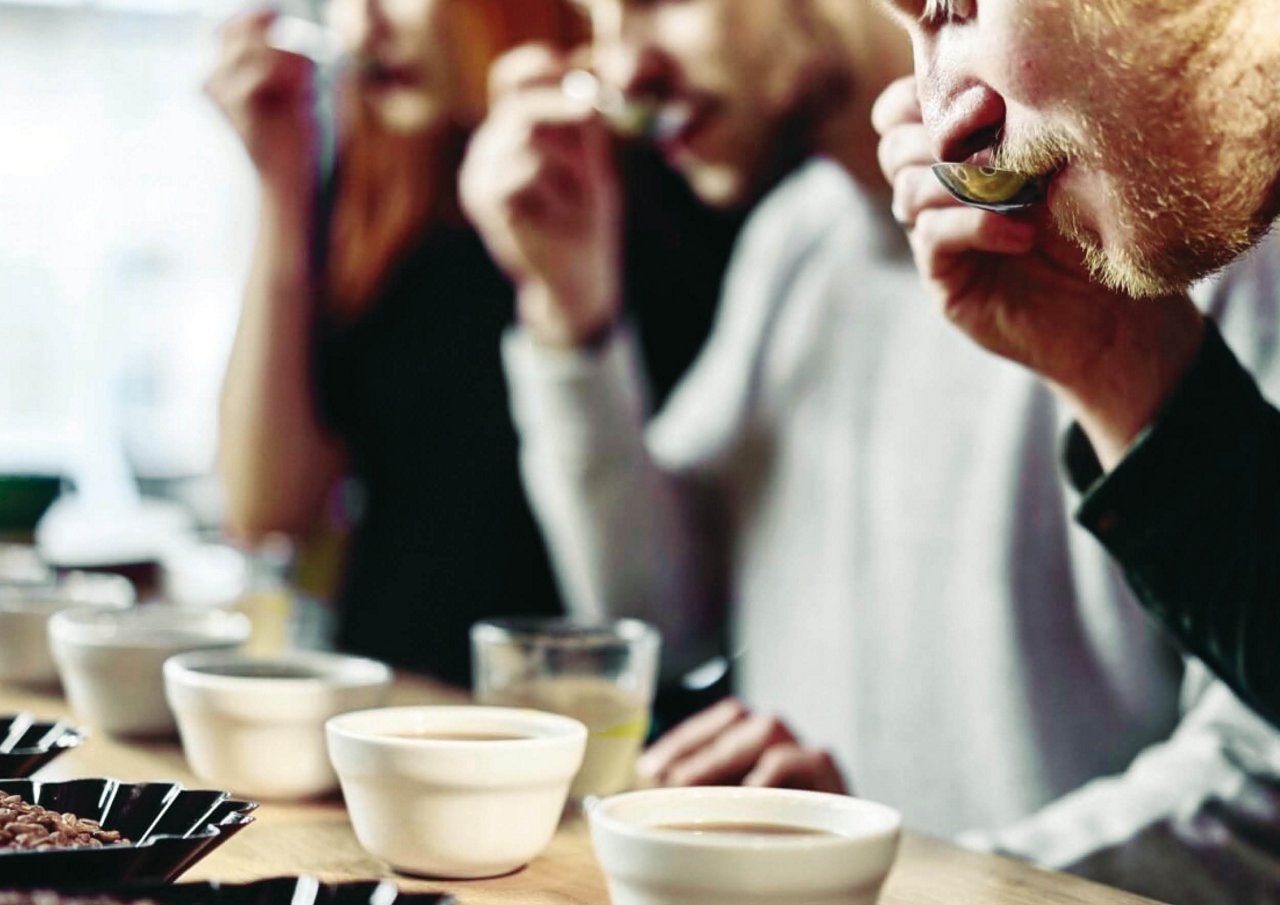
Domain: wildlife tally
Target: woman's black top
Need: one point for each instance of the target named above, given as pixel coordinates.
(414, 389)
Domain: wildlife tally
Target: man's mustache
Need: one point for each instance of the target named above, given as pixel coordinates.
(1036, 154)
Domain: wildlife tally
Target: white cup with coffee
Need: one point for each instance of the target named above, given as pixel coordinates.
(455, 792)
(743, 846)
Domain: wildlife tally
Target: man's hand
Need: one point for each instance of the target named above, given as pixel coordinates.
(267, 95)
(1019, 289)
(540, 185)
(726, 744)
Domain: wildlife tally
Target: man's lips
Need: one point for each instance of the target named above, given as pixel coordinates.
(982, 158)
(990, 157)
(1056, 181)
(678, 123)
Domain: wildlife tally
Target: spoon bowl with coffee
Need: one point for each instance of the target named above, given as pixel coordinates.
(991, 188)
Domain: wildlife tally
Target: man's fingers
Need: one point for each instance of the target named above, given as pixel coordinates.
(525, 67)
(726, 744)
(597, 149)
(533, 126)
(521, 156)
(689, 736)
(897, 105)
(731, 755)
(902, 147)
(540, 114)
(554, 205)
(533, 188)
(915, 190)
(941, 234)
(790, 766)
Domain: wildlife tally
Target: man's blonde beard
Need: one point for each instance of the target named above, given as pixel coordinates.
(1189, 224)
(1158, 248)
(1150, 263)
(1175, 219)
(1043, 153)
(1159, 252)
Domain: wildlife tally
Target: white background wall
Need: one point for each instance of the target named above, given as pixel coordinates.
(125, 222)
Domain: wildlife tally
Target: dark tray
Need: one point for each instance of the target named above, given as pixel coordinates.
(302, 890)
(40, 742)
(171, 828)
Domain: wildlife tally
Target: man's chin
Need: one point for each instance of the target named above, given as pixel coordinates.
(1118, 257)
(1146, 267)
(1121, 270)
(1143, 247)
(716, 185)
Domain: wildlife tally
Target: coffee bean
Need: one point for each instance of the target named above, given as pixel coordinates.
(24, 825)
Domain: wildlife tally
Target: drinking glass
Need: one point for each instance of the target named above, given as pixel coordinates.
(602, 674)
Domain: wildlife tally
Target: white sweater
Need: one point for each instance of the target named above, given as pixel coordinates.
(879, 504)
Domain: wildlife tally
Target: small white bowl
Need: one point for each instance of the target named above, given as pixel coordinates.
(25, 610)
(112, 662)
(255, 725)
(646, 864)
(455, 808)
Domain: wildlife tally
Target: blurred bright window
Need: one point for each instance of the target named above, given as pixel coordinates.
(125, 223)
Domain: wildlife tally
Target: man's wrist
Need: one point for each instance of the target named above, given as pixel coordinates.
(558, 324)
(1214, 425)
(1117, 398)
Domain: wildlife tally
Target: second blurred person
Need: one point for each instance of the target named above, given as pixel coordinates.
(368, 344)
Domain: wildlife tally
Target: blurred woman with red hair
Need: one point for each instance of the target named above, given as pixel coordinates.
(369, 340)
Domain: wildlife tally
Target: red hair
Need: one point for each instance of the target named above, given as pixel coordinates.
(392, 187)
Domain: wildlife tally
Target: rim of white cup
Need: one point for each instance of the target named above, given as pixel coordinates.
(887, 820)
(360, 725)
(109, 627)
(72, 589)
(336, 670)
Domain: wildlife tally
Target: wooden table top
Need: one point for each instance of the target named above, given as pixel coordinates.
(316, 838)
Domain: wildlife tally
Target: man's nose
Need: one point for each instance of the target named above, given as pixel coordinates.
(963, 116)
(634, 69)
(625, 55)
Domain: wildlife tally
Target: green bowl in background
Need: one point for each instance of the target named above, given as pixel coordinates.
(24, 499)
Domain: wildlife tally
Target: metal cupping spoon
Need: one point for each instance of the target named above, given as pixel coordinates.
(992, 189)
(627, 118)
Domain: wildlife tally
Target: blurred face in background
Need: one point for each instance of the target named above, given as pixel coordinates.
(734, 82)
(408, 62)
(1159, 118)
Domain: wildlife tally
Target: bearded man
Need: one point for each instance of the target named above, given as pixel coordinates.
(1157, 123)
(872, 503)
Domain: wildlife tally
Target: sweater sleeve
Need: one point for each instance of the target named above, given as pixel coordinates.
(622, 528)
(1192, 514)
(1193, 819)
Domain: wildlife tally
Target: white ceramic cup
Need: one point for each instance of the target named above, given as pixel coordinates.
(112, 661)
(455, 807)
(647, 863)
(255, 725)
(25, 610)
